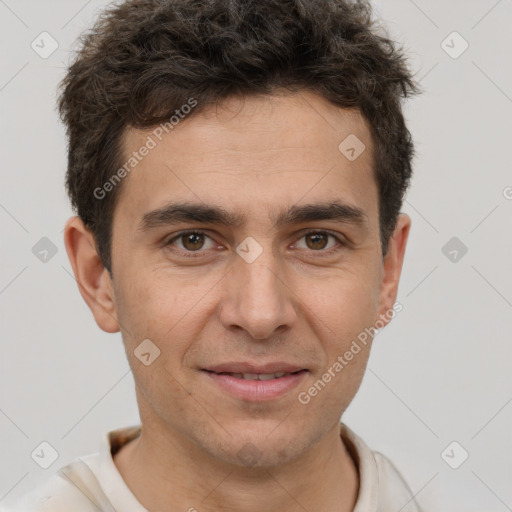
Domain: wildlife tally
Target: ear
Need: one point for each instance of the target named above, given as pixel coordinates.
(91, 276)
(392, 268)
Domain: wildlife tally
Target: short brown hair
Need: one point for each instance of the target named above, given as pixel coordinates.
(143, 59)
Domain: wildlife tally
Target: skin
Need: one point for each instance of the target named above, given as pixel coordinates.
(254, 157)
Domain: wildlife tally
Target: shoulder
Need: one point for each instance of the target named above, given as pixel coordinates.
(382, 488)
(87, 484)
(55, 494)
(393, 488)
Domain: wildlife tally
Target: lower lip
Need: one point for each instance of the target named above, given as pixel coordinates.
(257, 390)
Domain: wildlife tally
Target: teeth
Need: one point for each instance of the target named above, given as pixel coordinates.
(259, 376)
(267, 376)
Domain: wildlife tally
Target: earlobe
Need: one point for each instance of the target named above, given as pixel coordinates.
(91, 276)
(392, 267)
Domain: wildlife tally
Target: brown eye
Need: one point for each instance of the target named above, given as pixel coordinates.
(321, 242)
(317, 241)
(193, 241)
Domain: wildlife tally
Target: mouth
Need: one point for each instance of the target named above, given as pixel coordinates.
(257, 376)
(256, 383)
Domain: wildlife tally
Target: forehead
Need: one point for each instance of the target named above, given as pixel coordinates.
(254, 153)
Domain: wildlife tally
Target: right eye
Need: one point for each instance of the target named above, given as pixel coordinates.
(191, 241)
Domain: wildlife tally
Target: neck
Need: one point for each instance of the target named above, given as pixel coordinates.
(164, 473)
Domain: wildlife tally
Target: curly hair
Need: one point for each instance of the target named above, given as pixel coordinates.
(143, 59)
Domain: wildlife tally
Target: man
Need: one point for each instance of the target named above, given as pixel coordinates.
(237, 169)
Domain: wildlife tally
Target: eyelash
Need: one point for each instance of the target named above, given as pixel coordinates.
(196, 254)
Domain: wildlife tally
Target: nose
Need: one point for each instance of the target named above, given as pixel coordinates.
(257, 298)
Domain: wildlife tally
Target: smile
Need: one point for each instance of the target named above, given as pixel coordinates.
(256, 386)
(257, 376)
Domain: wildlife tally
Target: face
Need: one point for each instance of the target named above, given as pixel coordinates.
(281, 273)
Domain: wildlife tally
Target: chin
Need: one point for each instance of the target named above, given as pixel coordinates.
(261, 450)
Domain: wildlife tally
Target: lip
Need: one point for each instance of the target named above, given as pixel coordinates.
(257, 390)
(244, 367)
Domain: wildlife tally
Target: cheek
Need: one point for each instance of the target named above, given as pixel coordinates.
(169, 310)
(343, 308)
(146, 308)
(342, 305)
(350, 342)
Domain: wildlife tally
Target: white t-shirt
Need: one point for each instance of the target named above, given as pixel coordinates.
(92, 483)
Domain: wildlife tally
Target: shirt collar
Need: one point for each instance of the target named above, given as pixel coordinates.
(122, 498)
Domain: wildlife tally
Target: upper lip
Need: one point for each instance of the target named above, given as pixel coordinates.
(242, 367)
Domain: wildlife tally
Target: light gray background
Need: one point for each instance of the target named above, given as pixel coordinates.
(441, 372)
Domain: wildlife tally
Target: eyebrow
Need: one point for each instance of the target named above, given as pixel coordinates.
(174, 213)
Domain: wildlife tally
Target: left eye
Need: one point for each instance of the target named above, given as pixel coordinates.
(318, 240)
